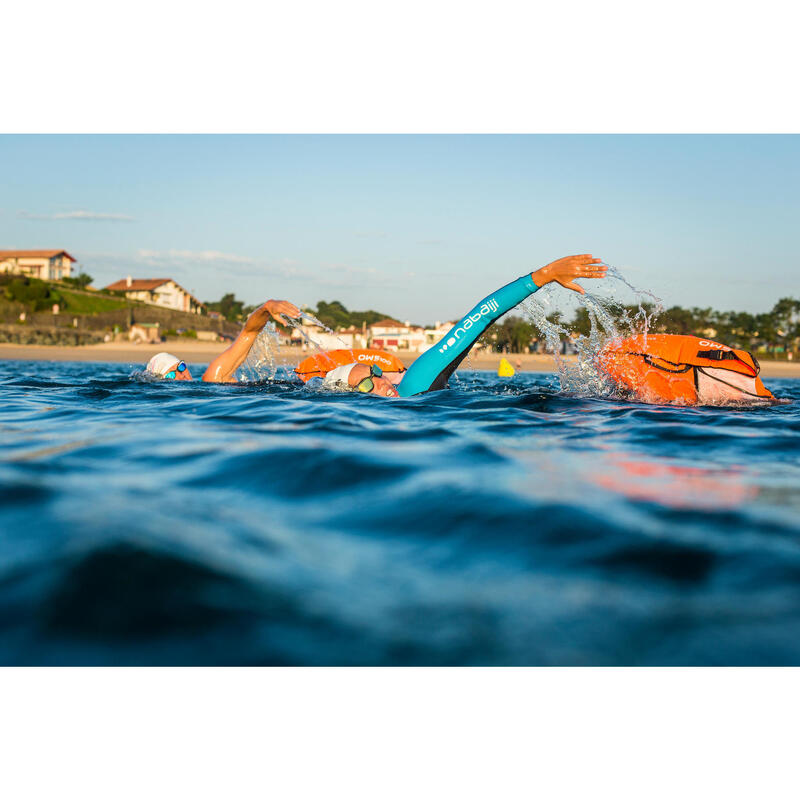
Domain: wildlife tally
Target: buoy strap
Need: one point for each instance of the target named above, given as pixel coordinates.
(731, 355)
(651, 360)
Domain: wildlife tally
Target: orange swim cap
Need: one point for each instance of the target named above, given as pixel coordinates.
(320, 364)
(665, 368)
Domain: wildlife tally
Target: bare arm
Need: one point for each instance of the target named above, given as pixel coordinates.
(222, 368)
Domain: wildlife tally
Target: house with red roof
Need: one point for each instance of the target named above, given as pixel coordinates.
(47, 265)
(389, 334)
(162, 292)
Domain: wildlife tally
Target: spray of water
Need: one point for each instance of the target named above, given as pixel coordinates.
(297, 324)
(260, 364)
(610, 318)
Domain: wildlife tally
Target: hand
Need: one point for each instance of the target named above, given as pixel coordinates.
(566, 270)
(278, 307)
(259, 318)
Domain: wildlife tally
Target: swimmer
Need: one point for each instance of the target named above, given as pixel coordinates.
(223, 367)
(433, 368)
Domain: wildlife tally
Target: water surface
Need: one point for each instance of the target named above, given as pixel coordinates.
(498, 522)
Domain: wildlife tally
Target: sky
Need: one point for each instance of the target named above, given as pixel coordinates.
(419, 227)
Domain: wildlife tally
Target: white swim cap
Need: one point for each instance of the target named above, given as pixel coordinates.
(161, 363)
(338, 378)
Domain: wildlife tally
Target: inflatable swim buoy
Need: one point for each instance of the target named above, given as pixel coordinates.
(320, 364)
(505, 370)
(665, 368)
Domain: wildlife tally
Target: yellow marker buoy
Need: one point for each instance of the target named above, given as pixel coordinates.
(505, 370)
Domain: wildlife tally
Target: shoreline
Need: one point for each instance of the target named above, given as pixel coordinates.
(194, 352)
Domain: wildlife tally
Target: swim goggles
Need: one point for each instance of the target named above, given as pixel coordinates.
(367, 384)
(171, 374)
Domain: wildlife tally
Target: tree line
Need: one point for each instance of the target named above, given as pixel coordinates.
(333, 314)
(773, 332)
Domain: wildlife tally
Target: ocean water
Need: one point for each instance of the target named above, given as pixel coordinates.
(497, 522)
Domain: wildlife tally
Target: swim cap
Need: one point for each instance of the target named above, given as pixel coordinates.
(161, 363)
(338, 378)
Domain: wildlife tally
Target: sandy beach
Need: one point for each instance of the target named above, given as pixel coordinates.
(203, 352)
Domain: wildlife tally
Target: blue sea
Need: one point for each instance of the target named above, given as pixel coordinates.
(499, 522)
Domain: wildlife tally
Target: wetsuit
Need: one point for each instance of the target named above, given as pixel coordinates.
(434, 367)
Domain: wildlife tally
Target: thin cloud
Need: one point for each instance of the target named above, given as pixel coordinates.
(80, 216)
(344, 276)
(173, 256)
(183, 261)
(215, 272)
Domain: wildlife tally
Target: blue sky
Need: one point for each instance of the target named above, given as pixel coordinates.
(417, 226)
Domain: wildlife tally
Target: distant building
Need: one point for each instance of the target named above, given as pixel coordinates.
(145, 332)
(162, 292)
(353, 337)
(47, 265)
(389, 334)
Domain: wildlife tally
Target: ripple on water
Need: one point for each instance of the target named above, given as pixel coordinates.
(498, 522)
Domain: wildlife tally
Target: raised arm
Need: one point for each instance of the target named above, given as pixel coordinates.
(435, 366)
(222, 368)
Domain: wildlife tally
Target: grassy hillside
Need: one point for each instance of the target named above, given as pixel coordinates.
(90, 304)
(34, 295)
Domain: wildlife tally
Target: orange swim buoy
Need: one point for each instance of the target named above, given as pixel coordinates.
(320, 364)
(687, 370)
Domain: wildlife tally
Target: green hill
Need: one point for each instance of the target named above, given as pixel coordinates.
(32, 294)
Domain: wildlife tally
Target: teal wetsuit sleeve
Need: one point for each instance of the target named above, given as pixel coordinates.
(435, 366)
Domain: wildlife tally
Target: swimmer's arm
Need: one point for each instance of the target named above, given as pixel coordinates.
(223, 367)
(434, 367)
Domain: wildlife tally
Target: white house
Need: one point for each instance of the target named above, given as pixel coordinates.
(47, 265)
(389, 334)
(162, 292)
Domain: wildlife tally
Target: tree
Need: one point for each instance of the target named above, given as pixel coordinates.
(230, 308)
(332, 314)
(737, 328)
(513, 335)
(335, 315)
(81, 280)
(36, 295)
(676, 320)
(786, 317)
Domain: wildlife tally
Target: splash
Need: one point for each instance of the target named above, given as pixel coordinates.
(260, 362)
(312, 320)
(610, 318)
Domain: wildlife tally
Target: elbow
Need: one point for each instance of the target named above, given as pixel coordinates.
(214, 374)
